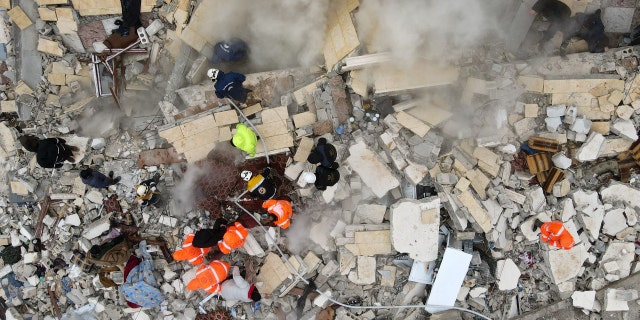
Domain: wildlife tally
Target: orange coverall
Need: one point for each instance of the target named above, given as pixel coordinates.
(234, 238)
(189, 252)
(209, 276)
(281, 209)
(555, 234)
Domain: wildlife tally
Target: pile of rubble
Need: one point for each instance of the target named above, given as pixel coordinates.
(438, 194)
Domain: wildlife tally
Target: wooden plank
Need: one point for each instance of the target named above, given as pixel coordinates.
(543, 144)
(57, 79)
(276, 142)
(47, 14)
(410, 122)
(538, 162)
(50, 47)
(275, 114)
(581, 85)
(554, 176)
(198, 125)
(19, 18)
(207, 137)
(272, 129)
(226, 117)
(304, 119)
(172, 134)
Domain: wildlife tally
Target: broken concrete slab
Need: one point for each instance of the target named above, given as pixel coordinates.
(415, 228)
(371, 170)
(507, 273)
(565, 264)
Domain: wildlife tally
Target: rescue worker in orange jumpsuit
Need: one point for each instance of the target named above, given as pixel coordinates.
(555, 234)
(281, 210)
(234, 238)
(209, 277)
(189, 252)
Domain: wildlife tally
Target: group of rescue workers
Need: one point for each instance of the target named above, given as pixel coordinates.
(225, 237)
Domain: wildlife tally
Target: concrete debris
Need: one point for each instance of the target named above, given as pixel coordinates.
(440, 186)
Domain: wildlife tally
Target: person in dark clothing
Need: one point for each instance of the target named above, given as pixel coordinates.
(229, 51)
(554, 11)
(325, 154)
(326, 177)
(130, 17)
(228, 85)
(207, 238)
(50, 152)
(590, 28)
(261, 185)
(96, 179)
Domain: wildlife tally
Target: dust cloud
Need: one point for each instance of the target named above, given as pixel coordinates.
(183, 193)
(280, 34)
(434, 30)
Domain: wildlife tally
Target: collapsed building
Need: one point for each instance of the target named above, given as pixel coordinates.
(445, 164)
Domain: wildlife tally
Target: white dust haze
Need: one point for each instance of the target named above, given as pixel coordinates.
(280, 34)
(432, 29)
(183, 192)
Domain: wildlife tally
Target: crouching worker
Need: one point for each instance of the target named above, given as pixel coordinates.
(245, 139)
(192, 254)
(261, 185)
(234, 238)
(209, 277)
(324, 154)
(323, 178)
(51, 152)
(279, 212)
(555, 234)
(148, 192)
(238, 289)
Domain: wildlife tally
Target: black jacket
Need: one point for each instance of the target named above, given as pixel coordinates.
(326, 177)
(325, 154)
(97, 180)
(553, 10)
(52, 152)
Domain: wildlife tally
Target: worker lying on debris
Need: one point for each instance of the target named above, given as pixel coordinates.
(234, 238)
(555, 234)
(245, 139)
(50, 152)
(207, 238)
(229, 51)
(209, 277)
(238, 289)
(148, 192)
(324, 154)
(228, 85)
(260, 185)
(96, 179)
(192, 254)
(280, 211)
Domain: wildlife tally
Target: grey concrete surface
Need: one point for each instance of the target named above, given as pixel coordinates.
(29, 63)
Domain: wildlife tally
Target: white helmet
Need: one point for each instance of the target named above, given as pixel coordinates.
(213, 74)
(308, 177)
(246, 175)
(141, 190)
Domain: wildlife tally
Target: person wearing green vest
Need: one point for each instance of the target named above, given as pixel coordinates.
(245, 139)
